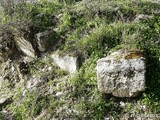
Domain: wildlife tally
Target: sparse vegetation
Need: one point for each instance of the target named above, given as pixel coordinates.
(93, 29)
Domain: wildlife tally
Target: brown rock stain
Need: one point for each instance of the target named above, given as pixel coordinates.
(133, 55)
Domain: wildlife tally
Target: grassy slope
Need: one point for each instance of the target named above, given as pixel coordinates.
(93, 28)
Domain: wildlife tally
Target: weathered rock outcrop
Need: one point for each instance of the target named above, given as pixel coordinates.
(43, 40)
(122, 75)
(24, 46)
(66, 62)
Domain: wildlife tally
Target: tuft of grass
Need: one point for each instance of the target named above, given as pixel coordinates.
(92, 28)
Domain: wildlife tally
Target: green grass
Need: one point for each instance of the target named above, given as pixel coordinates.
(94, 29)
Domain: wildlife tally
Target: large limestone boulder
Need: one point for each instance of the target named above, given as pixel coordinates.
(122, 75)
(66, 62)
(43, 40)
(24, 46)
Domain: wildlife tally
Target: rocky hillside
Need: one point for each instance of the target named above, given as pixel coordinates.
(80, 60)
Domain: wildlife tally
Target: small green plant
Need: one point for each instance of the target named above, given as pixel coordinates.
(91, 29)
(30, 106)
(1, 118)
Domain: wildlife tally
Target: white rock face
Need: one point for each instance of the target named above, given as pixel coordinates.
(2, 100)
(120, 76)
(66, 62)
(25, 46)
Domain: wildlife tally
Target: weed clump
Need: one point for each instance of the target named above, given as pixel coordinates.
(92, 29)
